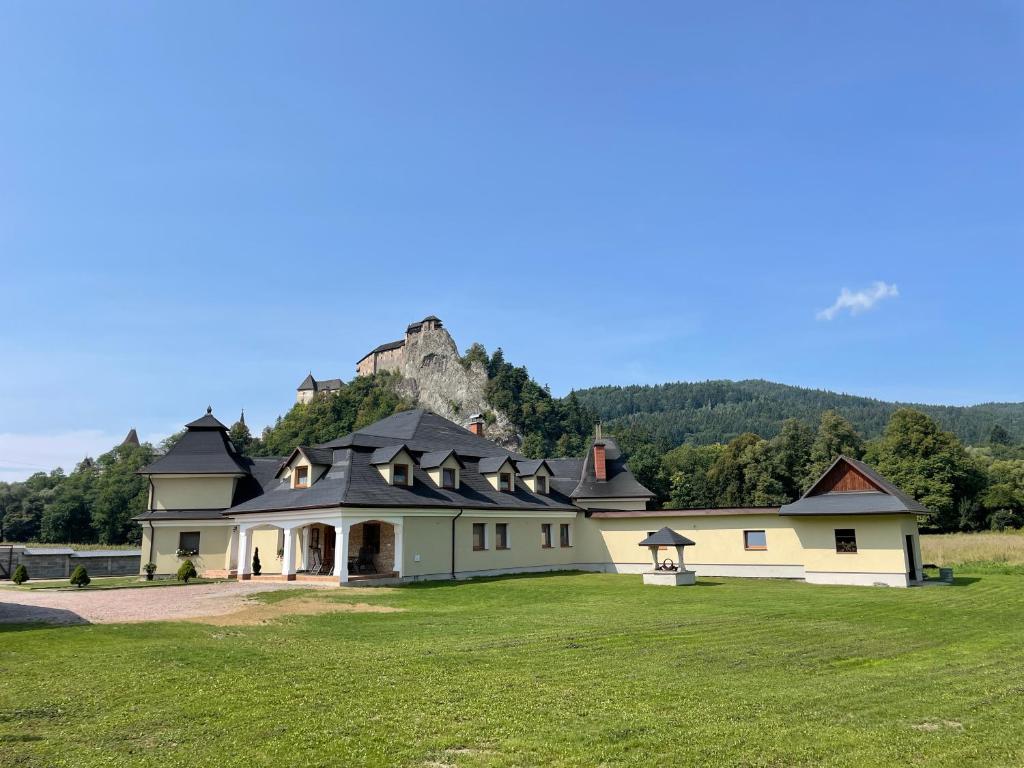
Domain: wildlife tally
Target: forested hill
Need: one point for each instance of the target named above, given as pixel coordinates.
(717, 411)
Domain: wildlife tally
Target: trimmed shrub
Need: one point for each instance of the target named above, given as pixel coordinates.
(150, 569)
(256, 567)
(20, 574)
(80, 576)
(186, 571)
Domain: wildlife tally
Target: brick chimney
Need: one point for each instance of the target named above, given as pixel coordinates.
(600, 465)
(476, 424)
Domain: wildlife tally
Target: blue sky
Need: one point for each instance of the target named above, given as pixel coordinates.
(200, 202)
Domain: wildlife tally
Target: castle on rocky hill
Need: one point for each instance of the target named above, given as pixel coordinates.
(432, 374)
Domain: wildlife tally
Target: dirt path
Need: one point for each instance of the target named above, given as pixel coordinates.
(113, 606)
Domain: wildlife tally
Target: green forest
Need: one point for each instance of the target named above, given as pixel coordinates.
(707, 412)
(705, 444)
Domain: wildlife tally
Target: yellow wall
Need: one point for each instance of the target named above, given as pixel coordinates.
(193, 492)
(880, 546)
(213, 547)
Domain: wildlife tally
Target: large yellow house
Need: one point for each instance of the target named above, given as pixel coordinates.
(415, 496)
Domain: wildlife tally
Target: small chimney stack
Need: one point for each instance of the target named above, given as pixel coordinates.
(600, 465)
(476, 424)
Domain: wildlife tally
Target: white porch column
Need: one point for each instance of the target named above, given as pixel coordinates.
(288, 558)
(399, 547)
(304, 544)
(232, 553)
(244, 555)
(341, 551)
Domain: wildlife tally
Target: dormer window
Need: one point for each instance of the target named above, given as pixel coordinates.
(400, 474)
(301, 477)
(448, 478)
(505, 481)
(541, 484)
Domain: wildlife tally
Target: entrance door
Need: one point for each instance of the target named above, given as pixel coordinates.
(911, 562)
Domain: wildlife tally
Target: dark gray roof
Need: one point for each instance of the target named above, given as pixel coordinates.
(354, 481)
(206, 422)
(491, 464)
(565, 474)
(384, 348)
(530, 467)
(307, 383)
(204, 449)
(386, 453)
(888, 499)
(666, 537)
(620, 482)
(422, 431)
(437, 458)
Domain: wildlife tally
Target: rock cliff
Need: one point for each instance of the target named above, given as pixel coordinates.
(434, 375)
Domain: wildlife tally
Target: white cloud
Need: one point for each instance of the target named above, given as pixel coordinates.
(22, 455)
(859, 301)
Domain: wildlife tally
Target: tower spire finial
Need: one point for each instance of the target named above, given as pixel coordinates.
(209, 409)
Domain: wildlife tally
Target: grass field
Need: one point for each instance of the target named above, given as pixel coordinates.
(562, 670)
(988, 552)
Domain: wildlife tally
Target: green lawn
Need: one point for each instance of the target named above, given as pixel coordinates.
(567, 670)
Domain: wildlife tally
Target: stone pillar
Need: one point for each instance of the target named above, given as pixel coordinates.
(244, 553)
(304, 548)
(288, 558)
(341, 552)
(230, 558)
(399, 547)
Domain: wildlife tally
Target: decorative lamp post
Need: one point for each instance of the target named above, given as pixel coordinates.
(668, 572)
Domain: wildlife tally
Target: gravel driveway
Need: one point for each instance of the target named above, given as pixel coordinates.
(113, 606)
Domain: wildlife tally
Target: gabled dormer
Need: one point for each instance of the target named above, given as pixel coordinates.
(500, 472)
(536, 475)
(305, 466)
(395, 464)
(444, 468)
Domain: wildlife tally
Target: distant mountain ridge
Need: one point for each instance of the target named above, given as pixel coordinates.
(716, 411)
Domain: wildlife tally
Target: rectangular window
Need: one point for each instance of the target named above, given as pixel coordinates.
(447, 478)
(400, 474)
(846, 540)
(542, 484)
(505, 481)
(563, 535)
(755, 540)
(545, 535)
(188, 543)
(501, 535)
(479, 536)
(302, 477)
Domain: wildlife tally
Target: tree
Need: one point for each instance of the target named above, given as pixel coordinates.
(791, 457)
(186, 571)
(68, 517)
(120, 493)
(836, 437)
(240, 436)
(20, 575)
(257, 567)
(80, 576)
(687, 469)
(929, 464)
(999, 436)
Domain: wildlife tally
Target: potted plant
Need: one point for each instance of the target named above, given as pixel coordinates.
(150, 569)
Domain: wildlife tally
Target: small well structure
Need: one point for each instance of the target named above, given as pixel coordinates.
(668, 572)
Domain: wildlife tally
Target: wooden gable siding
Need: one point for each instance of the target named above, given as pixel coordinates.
(844, 478)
